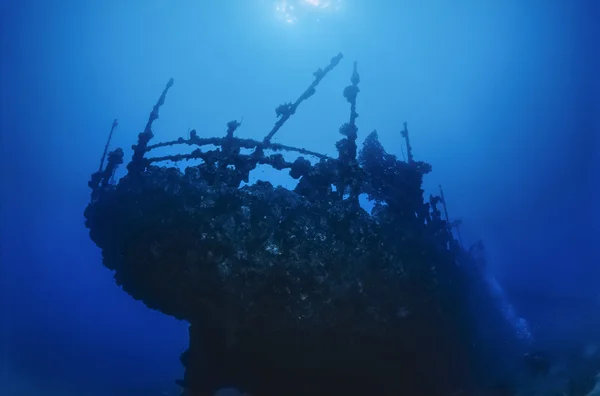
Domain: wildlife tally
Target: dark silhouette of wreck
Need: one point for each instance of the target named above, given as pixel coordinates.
(294, 293)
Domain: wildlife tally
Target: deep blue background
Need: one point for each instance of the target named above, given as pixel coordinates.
(501, 97)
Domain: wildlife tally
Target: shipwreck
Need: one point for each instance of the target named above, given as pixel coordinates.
(293, 291)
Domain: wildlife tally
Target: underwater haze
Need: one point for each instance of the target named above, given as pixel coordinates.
(502, 98)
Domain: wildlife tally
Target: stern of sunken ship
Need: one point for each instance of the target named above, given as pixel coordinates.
(290, 292)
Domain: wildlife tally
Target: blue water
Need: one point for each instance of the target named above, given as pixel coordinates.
(501, 97)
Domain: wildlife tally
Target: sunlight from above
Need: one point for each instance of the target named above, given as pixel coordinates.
(293, 11)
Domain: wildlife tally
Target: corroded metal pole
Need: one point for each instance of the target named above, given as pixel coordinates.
(408, 146)
(285, 111)
(112, 129)
(139, 150)
(455, 224)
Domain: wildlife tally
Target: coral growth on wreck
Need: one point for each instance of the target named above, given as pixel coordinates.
(292, 292)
